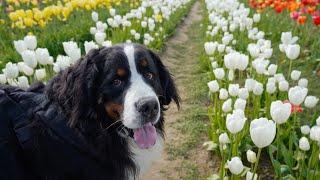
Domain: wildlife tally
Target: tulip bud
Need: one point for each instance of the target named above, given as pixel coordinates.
(233, 89)
(304, 144)
(318, 121)
(90, 45)
(256, 18)
(280, 112)
(251, 156)
(95, 16)
(29, 58)
(303, 82)
(100, 37)
(243, 93)
(209, 47)
(23, 82)
(292, 51)
(221, 48)
(262, 132)
(235, 121)
(227, 106)
(271, 87)
(214, 64)
(93, 30)
(297, 94)
(72, 50)
(30, 42)
(258, 89)
(42, 56)
(311, 101)
(219, 73)
(40, 74)
(3, 79)
(250, 174)
(272, 69)
(19, 46)
(240, 104)
(305, 129)
(249, 84)
(27, 70)
(213, 86)
(223, 94)
(295, 75)
(235, 165)
(224, 139)
(11, 71)
(315, 133)
(283, 85)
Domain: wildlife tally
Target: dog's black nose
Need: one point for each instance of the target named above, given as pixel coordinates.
(148, 107)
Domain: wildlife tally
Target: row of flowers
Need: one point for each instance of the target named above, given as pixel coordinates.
(254, 107)
(300, 11)
(142, 25)
(61, 10)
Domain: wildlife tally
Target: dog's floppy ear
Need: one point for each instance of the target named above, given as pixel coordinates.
(73, 88)
(167, 84)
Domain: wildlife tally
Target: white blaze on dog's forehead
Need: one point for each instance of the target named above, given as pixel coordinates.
(138, 89)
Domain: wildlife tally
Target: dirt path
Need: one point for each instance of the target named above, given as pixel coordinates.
(184, 157)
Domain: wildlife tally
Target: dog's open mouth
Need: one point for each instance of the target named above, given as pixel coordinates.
(145, 136)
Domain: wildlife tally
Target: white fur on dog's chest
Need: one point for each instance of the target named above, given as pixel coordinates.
(144, 157)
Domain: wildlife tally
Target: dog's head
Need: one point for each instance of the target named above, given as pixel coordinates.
(126, 83)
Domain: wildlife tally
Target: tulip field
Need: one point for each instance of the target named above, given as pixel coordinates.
(262, 59)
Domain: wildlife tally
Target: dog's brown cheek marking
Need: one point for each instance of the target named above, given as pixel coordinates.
(113, 110)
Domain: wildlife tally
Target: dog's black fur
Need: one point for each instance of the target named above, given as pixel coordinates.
(62, 131)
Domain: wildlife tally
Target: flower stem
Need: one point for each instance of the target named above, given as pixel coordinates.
(290, 66)
(256, 165)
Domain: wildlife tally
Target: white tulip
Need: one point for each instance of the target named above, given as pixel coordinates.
(262, 132)
(250, 174)
(93, 30)
(90, 45)
(219, 73)
(29, 58)
(318, 121)
(144, 24)
(235, 121)
(40, 74)
(26, 69)
(311, 101)
(286, 38)
(42, 56)
(227, 105)
(100, 37)
(107, 44)
(23, 82)
(305, 129)
(297, 94)
(240, 104)
(280, 112)
(72, 50)
(272, 69)
(243, 93)
(209, 47)
(271, 87)
(283, 85)
(315, 133)
(249, 84)
(292, 51)
(223, 94)
(19, 46)
(112, 11)
(235, 165)
(3, 79)
(304, 144)
(214, 64)
(137, 36)
(95, 16)
(251, 156)
(30, 42)
(233, 89)
(224, 139)
(62, 63)
(258, 89)
(256, 17)
(279, 77)
(11, 71)
(295, 75)
(221, 48)
(303, 82)
(254, 50)
(213, 86)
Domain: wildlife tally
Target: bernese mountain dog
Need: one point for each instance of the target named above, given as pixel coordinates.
(101, 118)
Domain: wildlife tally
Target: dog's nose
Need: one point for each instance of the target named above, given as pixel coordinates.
(148, 107)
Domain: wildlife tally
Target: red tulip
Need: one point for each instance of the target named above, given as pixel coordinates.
(316, 20)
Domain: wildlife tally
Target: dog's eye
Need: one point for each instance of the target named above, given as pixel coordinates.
(148, 75)
(117, 82)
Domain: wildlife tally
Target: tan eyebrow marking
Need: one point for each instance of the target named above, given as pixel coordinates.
(121, 72)
(144, 62)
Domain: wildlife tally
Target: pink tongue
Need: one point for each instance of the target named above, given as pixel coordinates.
(145, 137)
